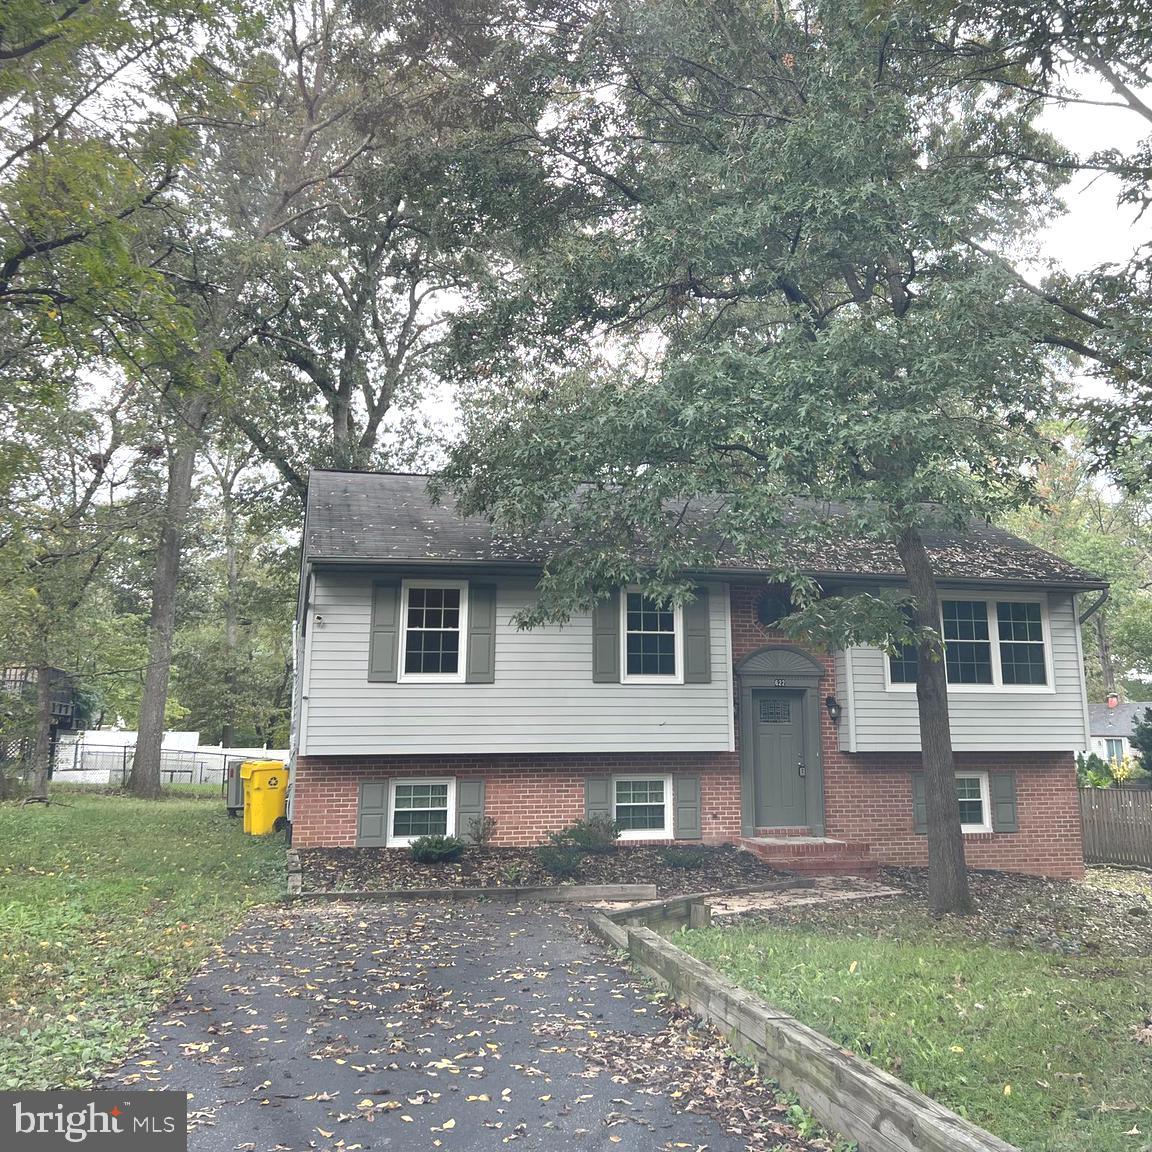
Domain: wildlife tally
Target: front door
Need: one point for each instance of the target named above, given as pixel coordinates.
(778, 726)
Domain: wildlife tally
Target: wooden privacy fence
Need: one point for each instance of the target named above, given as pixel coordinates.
(1117, 825)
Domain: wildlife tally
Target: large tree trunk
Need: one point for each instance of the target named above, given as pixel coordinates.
(1104, 651)
(947, 870)
(231, 625)
(145, 778)
(42, 743)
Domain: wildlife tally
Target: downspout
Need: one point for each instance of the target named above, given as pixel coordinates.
(1103, 643)
(299, 643)
(1092, 609)
(1106, 664)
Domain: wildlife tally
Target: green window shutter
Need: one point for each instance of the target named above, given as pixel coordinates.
(919, 805)
(384, 645)
(697, 640)
(686, 815)
(606, 640)
(372, 819)
(1002, 787)
(469, 806)
(597, 796)
(481, 633)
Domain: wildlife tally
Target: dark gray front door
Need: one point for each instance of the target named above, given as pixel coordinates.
(778, 725)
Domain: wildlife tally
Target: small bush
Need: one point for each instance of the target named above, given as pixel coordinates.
(1127, 771)
(436, 849)
(684, 857)
(597, 835)
(1092, 771)
(482, 829)
(560, 861)
(515, 875)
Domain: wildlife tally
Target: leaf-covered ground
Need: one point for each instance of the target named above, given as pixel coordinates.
(462, 1028)
(107, 904)
(363, 869)
(1110, 913)
(1032, 1017)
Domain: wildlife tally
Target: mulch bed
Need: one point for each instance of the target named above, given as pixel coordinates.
(373, 869)
(1109, 914)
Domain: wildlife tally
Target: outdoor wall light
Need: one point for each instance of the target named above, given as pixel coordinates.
(834, 709)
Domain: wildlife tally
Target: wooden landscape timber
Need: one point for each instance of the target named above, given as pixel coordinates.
(553, 893)
(846, 1093)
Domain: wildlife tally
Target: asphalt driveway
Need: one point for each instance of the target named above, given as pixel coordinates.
(434, 1026)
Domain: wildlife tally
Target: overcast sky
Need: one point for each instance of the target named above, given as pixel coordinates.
(1095, 230)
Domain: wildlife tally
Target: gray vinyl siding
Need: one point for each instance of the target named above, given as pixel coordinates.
(882, 720)
(543, 698)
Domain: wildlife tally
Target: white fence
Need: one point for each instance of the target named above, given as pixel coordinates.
(88, 763)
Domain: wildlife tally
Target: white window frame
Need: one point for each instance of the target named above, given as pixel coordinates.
(677, 644)
(395, 841)
(997, 685)
(985, 802)
(1123, 749)
(668, 831)
(460, 675)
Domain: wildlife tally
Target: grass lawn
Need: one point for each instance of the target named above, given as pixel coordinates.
(106, 905)
(1040, 1048)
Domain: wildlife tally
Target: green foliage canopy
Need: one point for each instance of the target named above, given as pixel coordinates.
(776, 285)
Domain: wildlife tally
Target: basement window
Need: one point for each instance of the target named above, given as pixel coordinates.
(420, 808)
(641, 806)
(975, 803)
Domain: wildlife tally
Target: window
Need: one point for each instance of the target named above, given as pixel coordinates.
(975, 807)
(652, 634)
(967, 645)
(421, 808)
(776, 710)
(903, 664)
(1021, 643)
(433, 620)
(1114, 751)
(640, 806)
(1013, 654)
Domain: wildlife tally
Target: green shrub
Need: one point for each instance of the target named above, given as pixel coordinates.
(1092, 771)
(482, 829)
(515, 875)
(436, 849)
(560, 861)
(597, 835)
(684, 857)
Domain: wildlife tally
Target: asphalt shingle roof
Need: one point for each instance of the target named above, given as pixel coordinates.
(1115, 722)
(388, 518)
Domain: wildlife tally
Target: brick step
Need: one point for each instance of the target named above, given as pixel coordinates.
(850, 866)
(812, 846)
(814, 858)
(797, 831)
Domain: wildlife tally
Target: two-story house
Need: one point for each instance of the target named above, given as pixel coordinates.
(420, 706)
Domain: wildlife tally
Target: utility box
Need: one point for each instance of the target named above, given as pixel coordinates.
(265, 795)
(233, 787)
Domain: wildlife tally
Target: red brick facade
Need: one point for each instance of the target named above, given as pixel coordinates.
(529, 795)
(868, 797)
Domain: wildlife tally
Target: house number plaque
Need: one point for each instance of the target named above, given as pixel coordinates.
(779, 682)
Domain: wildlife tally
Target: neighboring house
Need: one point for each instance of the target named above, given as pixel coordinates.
(420, 706)
(20, 681)
(1111, 728)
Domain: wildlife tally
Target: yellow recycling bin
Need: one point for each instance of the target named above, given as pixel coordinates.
(265, 794)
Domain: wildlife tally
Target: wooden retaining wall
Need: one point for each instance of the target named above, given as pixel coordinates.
(1117, 825)
(845, 1092)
